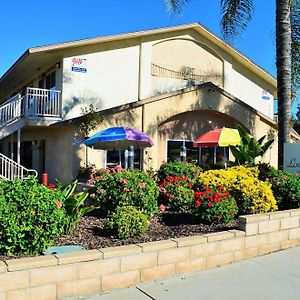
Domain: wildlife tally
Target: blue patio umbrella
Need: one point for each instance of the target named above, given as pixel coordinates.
(119, 138)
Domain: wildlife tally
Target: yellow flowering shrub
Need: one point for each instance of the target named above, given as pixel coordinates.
(251, 194)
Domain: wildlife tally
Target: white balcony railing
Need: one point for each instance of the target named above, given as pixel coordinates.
(37, 103)
(42, 102)
(11, 170)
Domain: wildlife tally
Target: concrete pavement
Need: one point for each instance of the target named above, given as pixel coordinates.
(274, 276)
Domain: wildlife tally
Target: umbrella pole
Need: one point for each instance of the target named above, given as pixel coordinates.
(225, 158)
(120, 159)
(215, 155)
(130, 157)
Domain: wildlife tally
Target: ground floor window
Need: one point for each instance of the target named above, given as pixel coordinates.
(120, 157)
(204, 156)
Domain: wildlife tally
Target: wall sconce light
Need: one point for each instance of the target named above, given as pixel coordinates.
(57, 65)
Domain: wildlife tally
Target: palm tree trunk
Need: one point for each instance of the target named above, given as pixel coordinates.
(283, 64)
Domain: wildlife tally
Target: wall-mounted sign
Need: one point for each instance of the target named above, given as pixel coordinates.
(79, 65)
(265, 95)
(291, 160)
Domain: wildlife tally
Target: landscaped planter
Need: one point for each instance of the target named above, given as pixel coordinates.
(88, 272)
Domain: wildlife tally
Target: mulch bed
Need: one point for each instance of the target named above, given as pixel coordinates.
(91, 234)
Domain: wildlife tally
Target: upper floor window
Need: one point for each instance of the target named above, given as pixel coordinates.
(48, 82)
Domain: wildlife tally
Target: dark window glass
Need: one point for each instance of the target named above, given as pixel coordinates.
(191, 152)
(113, 158)
(50, 81)
(207, 156)
(174, 150)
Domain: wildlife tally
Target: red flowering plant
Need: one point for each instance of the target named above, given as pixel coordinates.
(176, 193)
(214, 205)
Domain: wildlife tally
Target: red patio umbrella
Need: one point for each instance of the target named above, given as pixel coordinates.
(222, 137)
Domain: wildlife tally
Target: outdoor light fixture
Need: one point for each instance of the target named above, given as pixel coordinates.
(57, 65)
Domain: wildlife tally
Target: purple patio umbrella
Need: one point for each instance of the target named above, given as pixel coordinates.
(119, 138)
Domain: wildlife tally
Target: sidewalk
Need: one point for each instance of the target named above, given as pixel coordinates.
(274, 276)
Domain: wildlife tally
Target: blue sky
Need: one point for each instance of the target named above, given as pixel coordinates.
(30, 23)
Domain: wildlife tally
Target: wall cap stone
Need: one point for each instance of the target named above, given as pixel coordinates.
(219, 236)
(190, 240)
(158, 245)
(253, 218)
(120, 251)
(81, 256)
(31, 263)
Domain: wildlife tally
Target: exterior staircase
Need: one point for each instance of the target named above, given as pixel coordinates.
(11, 170)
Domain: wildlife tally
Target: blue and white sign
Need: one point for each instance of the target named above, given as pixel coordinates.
(79, 65)
(265, 95)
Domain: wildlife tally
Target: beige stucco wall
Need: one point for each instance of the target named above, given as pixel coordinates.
(120, 72)
(184, 115)
(242, 84)
(111, 78)
(197, 112)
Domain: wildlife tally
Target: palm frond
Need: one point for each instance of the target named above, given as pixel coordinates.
(175, 6)
(295, 27)
(236, 14)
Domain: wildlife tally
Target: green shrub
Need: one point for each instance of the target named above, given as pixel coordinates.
(115, 188)
(127, 222)
(286, 188)
(176, 193)
(178, 169)
(30, 216)
(215, 205)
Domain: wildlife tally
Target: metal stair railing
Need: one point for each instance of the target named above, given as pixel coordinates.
(11, 170)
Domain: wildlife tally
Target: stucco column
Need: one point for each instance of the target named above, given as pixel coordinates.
(228, 76)
(145, 70)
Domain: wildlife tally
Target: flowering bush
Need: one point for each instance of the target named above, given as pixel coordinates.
(127, 222)
(251, 194)
(178, 169)
(31, 215)
(176, 193)
(215, 205)
(118, 187)
(286, 188)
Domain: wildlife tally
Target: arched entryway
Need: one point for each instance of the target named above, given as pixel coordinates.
(184, 128)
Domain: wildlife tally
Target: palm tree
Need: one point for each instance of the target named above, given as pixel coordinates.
(236, 14)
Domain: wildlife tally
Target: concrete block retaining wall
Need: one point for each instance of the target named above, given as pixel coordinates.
(90, 272)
